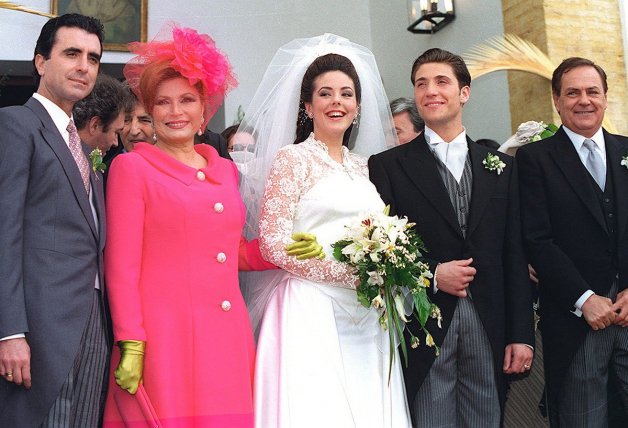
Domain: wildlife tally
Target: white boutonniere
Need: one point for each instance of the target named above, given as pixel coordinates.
(494, 163)
(96, 157)
(624, 161)
(531, 131)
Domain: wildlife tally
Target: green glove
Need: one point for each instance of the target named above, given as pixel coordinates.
(129, 372)
(305, 247)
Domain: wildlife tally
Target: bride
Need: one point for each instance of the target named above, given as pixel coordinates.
(322, 358)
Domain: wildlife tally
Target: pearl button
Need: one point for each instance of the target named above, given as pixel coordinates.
(221, 257)
(226, 305)
(218, 207)
(200, 175)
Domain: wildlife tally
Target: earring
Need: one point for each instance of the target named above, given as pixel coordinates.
(304, 117)
(200, 130)
(355, 118)
(154, 137)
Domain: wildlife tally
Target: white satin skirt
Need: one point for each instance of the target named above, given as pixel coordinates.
(322, 361)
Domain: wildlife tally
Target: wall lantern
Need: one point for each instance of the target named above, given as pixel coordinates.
(429, 16)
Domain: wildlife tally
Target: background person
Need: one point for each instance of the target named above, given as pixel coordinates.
(138, 126)
(408, 123)
(99, 117)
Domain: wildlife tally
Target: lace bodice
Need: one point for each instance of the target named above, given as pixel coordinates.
(308, 191)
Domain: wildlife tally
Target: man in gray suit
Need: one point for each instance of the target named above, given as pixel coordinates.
(53, 336)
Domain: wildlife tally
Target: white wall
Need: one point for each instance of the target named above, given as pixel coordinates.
(250, 31)
(487, 114)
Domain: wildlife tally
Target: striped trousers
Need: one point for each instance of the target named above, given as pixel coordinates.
(460, 390)
(584, 398)
(81, 400)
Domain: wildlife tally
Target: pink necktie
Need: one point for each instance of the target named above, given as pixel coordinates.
(78, 155)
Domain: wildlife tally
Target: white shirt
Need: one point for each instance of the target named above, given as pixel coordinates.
(452, 154)
(578, 142)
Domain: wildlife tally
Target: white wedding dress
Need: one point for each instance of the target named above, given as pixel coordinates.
(322, 358)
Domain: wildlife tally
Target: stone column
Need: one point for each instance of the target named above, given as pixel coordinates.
(562, 28)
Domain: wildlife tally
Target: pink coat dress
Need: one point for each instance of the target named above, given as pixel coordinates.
(173, 252)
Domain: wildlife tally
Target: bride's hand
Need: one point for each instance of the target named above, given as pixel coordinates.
(305, 247)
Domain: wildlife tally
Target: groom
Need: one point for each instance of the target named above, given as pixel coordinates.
(464, 200)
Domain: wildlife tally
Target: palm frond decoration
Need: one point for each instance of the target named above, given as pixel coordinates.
(511, 52)
(12, 6)
(508, 52)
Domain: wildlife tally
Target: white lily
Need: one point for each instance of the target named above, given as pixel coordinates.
(378, 302)
(375, 279)
(399, 306)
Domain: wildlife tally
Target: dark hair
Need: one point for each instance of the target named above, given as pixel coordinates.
(154, 75)
(229, 132)
(487, 142)
(133, 99)
(321, 65)
(568, 65)
(48, 34)
(408, 105)
(108, 98)
(442, 56)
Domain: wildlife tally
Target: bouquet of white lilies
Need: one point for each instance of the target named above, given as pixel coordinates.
(386, 252)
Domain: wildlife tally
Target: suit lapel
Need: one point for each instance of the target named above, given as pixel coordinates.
(51, 136)
(569, 163)
(614, 152)
(483, 185)
(420, 166)
(96, 181)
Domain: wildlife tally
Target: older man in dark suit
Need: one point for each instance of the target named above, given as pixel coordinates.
(464, 200)
(53, 340)
(574, 193)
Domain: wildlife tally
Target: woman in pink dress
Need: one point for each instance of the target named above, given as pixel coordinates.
(174, 248)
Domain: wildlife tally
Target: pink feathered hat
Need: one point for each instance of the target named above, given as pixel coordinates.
(194, 56)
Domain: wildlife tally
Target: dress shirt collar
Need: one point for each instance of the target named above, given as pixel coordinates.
(578, 142)
(58, 116)
(453, 154)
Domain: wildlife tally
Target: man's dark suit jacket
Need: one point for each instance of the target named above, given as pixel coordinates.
(407, 178)
(216, 141)
(50, 254)
(567, 241)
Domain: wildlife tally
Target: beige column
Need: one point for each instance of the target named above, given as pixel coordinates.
(562, 28)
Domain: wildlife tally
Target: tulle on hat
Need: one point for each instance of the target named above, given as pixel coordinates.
(195, 56)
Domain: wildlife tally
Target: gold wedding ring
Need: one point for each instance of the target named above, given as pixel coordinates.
(8, 374)
(525, 366)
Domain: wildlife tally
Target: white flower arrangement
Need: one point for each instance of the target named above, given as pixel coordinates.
(494, 163)
(386, 252)
(528, 132)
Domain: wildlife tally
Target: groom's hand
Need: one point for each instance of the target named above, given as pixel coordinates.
(455, 276)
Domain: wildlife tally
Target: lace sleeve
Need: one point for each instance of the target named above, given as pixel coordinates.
(287, 181)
